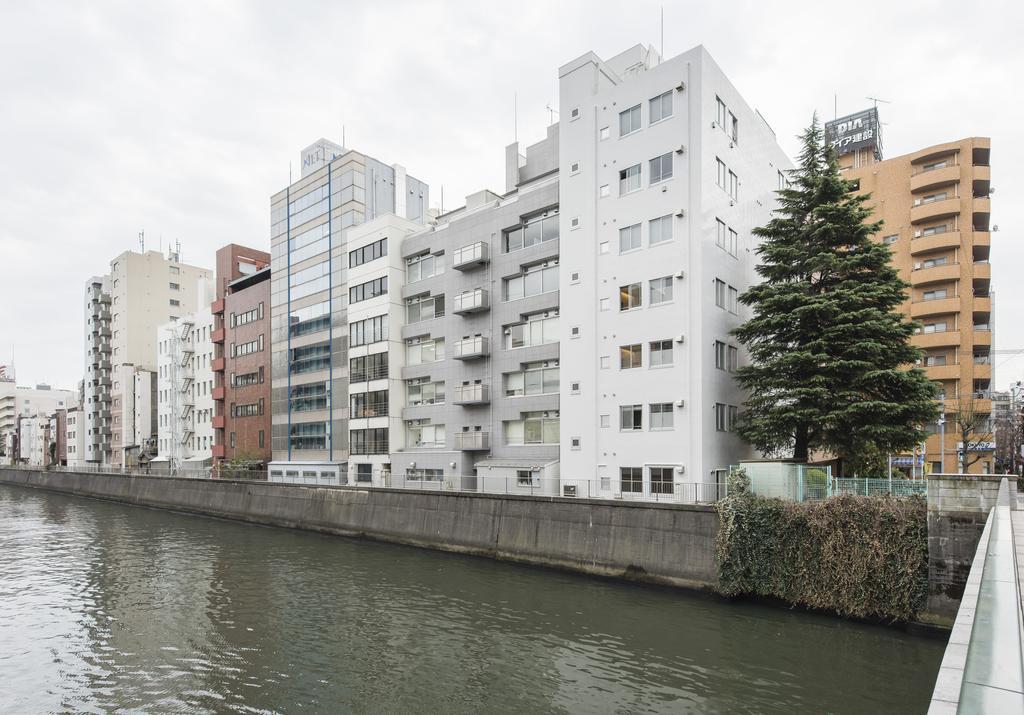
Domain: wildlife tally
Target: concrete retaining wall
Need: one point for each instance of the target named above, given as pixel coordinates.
(671, 544)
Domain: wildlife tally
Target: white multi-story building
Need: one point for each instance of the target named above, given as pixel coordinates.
(185, 385)
(75, 436)
(122, 312)
(34, 441)
(664, 171)
(17, 402)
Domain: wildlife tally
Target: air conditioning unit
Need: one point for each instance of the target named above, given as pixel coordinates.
(569, 490)
(681, 87)
(680, 338)
(680, 403)
(680, 213)
(681, 274)
(681, 149)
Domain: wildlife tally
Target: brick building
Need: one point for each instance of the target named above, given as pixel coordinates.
(241, 366)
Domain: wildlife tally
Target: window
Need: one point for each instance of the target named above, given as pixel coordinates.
(660, 290)
(538, 329)
(420, 267)
(421, 391)
(629, 238)
(661, 415)
(534, 280)
(535, 378)
(173, 270)
(934, 328)
(631, 479)
(631, 356)
(629, 120)
(525, 478)
(734, 416)
(932, 262)
(417, 475)
(734, 358)
(661, 168)
(534, 230)
(370, 289)
(935, 360)
(368, 367)
(424, 307)
(659, 230)
(734, 297)
(661, 353)
(734, 186)
(248, 378)
(174, 302)
(174, 286)
(631, 417)
(629, 296)
(629, 179)
(368, 253)
(250, 410)
(574, 168)
(605, 421)
(660, 107)
(310, 319)
(661, 480)
(721, 417)
(604, 133)
(932, 230)
(720, 293)
(533, 428)
(253, 346)
(313, 396)
(249, 316)
(371, 330)
(369, 404)
(783, 182)
(424, 350)
(891, 239)
(720, 355)
(604, 191)
(308, 435)
(938, 294)
(368, 441)
(720, 112)
(720, 179)
(424, 434)
(734, 127)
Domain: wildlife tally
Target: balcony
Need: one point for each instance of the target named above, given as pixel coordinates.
(982, 271)
(942, 372)
(471, 256)
(217, 335)
(217, 306)
(472, 395)
(934, 242)
(472, 301)
(982, 304)
(471, 348)
(931, 178)
(942, 306)
(982, 334)
(947, 338)
(983, 370)
(217, 393)
(218, 421)
(218, 364)
(218, 451)
(935, 210)
(935, 274)
(472, 441)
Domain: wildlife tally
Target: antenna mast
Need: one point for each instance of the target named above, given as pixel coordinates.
(142, 240)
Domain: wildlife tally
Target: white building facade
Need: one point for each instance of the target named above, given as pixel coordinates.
(75, 434)
(664, 172)
(38, 401)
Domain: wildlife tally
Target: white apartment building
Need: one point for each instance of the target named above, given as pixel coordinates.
(34, 444)
(185, 385)
(664, 170)
(75, 436)
(15, 402)
(122, 312)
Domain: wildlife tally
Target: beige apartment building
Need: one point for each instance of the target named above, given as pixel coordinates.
(937, 212)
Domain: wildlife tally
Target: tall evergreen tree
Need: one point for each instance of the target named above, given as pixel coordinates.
(829, 351)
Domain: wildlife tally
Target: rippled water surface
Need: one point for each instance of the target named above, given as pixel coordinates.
(106, 607)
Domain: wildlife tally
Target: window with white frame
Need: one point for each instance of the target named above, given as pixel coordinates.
(421, 433)
(535, 378)
(629, 238)
(721, 417)
(660, 107)
(629, 120)
(659, 230)
(662, 481)
(421, 391)
(734, 186)
(368, 331)
(720, 112)
(661, 416)
(631, 356)
(734, 127)
(630, 296)
(533, 428)
(722, 176)
(631, 479)
(534, 229)
(661, 168)
(537, 329)
(661, 353)
(631, 418)
(629, 179)
(720, 355)
(660, 290)
(423, 350)
(534, 280)
(423, 266)
(424, 307)
(721, 293)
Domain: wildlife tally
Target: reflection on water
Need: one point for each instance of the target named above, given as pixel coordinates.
(106, 607)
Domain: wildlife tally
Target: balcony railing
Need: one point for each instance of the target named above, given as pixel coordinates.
(982, 359)
(467, 257)
(982, 327)
(472, 441)
(478, 394)
(472, 301)
(943, 165)
(470, 348)
(372, 446)
(376, 372)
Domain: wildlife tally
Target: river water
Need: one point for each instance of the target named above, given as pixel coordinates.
(105, 607)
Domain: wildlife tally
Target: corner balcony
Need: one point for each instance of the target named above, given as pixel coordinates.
(217, 421)
(942, 306)
(472, 301)
(471, 395)
(217, 306)
(942, 372)
(473, 441)
(982, 304)
(945, 339)
(217, 336)
(471, 348)
(982, 335)
(218, 364)
(217, 393)
(471, 256)
(218, 451)
(935, 274)
(982, 271)
(935, 210)
(930, 178)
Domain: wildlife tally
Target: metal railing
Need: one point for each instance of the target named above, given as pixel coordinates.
(926, 169)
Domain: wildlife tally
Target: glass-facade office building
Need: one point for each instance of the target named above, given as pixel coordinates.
(338, 189)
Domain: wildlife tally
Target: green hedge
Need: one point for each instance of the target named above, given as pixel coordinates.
(864, 557)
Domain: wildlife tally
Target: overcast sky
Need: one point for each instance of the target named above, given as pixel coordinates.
(181, 118)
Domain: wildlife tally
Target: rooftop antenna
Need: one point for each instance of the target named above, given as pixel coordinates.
(551, 113)
(876, 100)
(343, 144)
(142, 240)
(442, 198)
